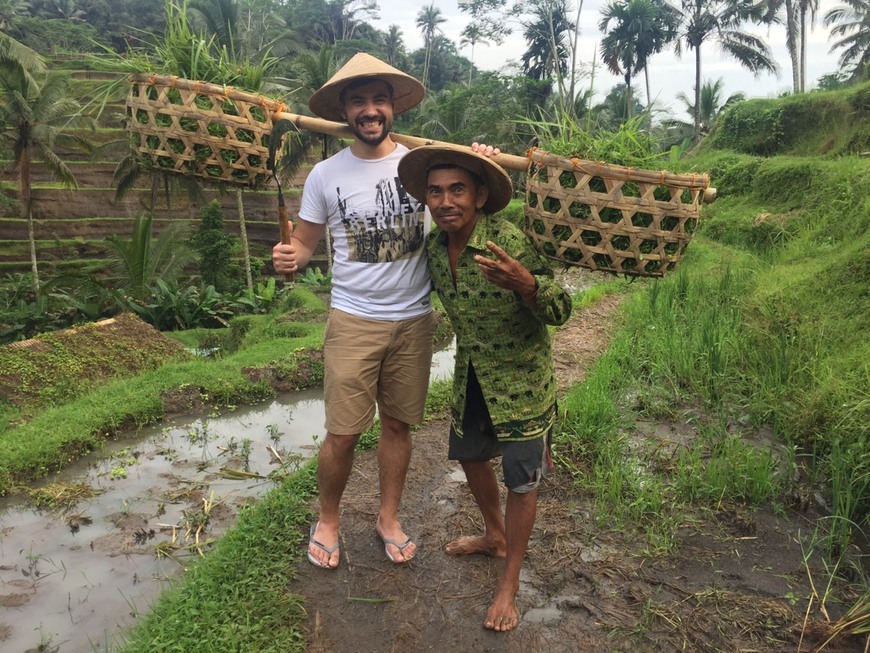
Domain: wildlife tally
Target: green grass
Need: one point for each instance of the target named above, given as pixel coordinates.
(237, 598)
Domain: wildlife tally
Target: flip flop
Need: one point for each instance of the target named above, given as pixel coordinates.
(329, 550)
(400, 547)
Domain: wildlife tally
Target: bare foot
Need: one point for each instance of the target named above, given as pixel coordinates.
(471, 544)
(503, 614)
(398, 546)
(323, 546)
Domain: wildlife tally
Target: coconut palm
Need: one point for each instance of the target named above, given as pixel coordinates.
(64, 10)
(394, 47)
(10, 10)
(428, 20)
(472, 35)
(546, 55)
(719, 21)
(37, 113)
(807, 16)
(850, 24)
(14, 52)
(244, 28)
(711, 107)
(797, 14)
(223, 23)
(640, 28)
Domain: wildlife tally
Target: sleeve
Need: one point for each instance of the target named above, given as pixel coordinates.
(313, 207)
(554, 302)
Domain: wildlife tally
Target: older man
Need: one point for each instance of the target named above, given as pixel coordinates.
(500, 296)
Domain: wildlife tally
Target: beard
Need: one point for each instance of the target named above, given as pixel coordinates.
(368, 138)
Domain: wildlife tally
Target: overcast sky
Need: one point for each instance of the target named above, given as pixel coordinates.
(668, 74)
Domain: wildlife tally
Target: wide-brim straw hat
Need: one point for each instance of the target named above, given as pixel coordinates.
(407, 91)
(414, 171)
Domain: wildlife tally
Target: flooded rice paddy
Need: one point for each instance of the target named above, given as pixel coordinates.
(112, 530)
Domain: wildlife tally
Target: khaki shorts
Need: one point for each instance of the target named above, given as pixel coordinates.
(372, 363)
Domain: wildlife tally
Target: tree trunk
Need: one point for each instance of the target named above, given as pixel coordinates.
(27, 204)
(803, 47)
(32, 240)
(243, 232)
(697, 130)
(792, 39)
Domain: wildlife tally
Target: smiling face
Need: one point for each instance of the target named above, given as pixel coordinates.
(455, 198)
(368, 109)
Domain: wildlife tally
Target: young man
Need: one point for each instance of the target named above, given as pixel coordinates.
(378, 342)
(500, 296)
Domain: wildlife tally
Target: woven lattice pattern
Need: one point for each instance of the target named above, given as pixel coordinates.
(201, 129)
(610, 218)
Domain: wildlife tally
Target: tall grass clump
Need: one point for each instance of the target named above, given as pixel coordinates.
(631, 144)
(804, 357)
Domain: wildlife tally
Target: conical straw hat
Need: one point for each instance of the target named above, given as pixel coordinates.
(407, 91)
(414, 170)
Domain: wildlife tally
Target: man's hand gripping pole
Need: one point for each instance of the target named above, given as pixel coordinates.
(279, 128)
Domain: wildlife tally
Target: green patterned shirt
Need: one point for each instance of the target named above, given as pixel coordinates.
(506, 341)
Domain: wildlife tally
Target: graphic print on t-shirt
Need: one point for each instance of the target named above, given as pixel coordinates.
(393, 231)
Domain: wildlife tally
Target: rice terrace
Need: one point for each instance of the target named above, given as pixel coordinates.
(161, 402)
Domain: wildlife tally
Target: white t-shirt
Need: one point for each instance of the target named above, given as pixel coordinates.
(380, 269)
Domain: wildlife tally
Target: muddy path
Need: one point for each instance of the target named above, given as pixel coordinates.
(735, 581)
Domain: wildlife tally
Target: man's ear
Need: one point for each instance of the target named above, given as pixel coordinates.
(482, 196)
(341, 111)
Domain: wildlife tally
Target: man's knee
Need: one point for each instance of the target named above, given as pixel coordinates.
(394, 428)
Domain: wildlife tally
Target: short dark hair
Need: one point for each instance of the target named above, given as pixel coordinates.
(362, 81)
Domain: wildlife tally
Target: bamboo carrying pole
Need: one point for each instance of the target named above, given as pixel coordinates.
(276, 111)
(581, 212)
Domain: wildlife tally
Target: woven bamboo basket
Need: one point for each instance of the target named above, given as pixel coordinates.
(200, 129)
(611, 218)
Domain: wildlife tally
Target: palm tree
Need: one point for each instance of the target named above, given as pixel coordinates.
(12, 51)
(711, 106)
(64, 10)
(641, 28)
(393, 45)
(807, 11)
(428, 21)
(472, 35)
(10, 10)
(796, 14)
(223, 23)
(703, 21)
(546, 55)
(139, 262)
(36, 113)
(850, 23)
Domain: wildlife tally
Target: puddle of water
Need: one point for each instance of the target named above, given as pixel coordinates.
(71, 582)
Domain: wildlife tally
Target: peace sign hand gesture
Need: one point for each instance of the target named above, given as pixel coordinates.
(508, 273)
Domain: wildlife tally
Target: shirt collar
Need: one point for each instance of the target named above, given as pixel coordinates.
(480, 234)
(478, 237)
